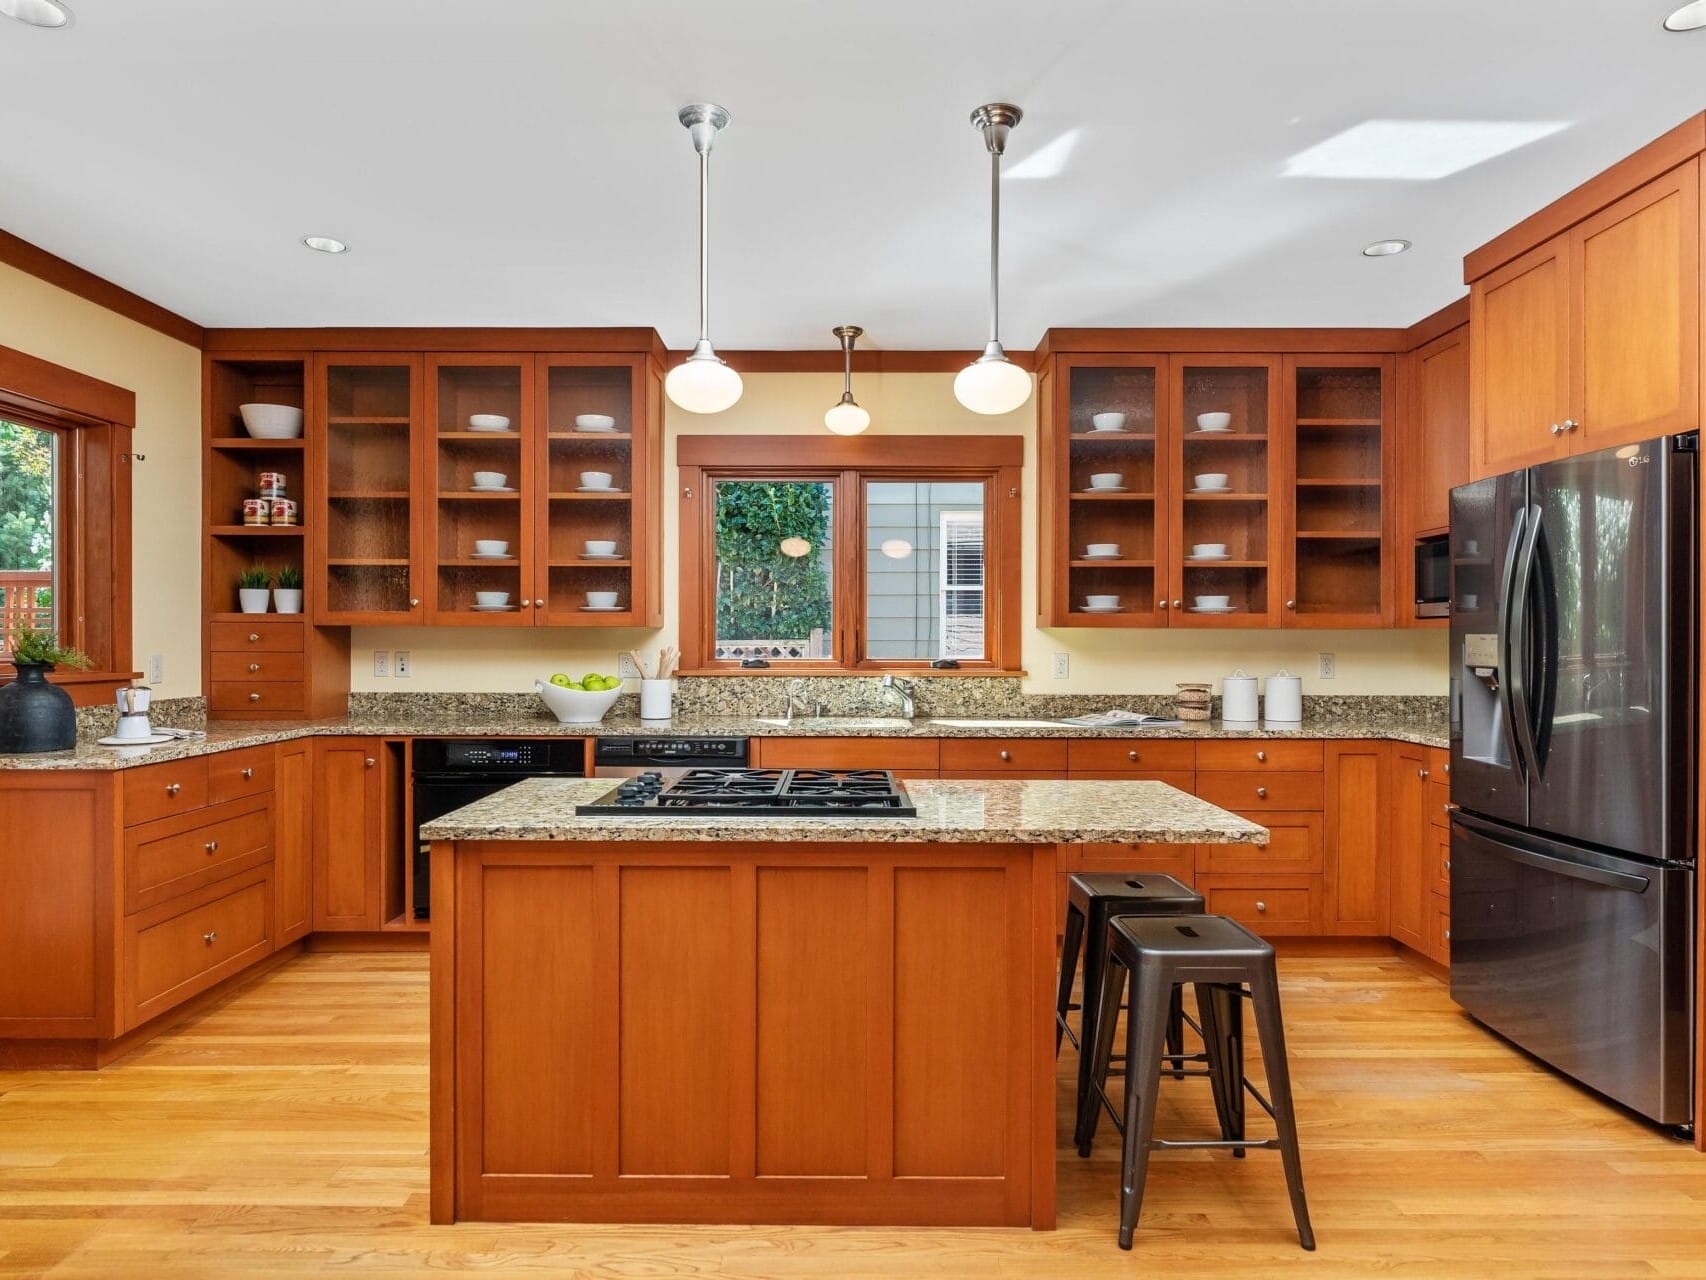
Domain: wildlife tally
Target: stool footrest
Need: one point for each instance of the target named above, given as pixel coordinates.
(1257, 1144)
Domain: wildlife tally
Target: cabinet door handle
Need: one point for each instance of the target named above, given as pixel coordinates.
(1448, 935)
(1448, 864)
(539, 604)
(254, 638)
(1445, 768)
(254, 697)
(1570, 424)
(414, 602)
(1291, 604)
(248, 774)
(1261, 793)
(1006, 755)
(172, 788)
(212, 846)
(371, 762)
(1421, 773)
(1160, 604)
(1260, 905)
(1177, 603)
(1557, 429)
(254, 667)
(1131, 755)
(210, 937)
(526, 603)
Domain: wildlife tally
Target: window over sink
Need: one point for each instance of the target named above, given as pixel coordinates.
(881, 553)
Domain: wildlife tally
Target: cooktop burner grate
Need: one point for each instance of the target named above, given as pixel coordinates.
(783, 793)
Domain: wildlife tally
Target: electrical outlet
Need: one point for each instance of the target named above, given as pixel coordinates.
(401, 664)
(1062, 665)
(156, 668)
(381, 663)
(625, 667)
(1328, 668)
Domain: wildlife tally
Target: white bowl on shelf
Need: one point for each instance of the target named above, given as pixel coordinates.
(594, 422)
(596, 479)
(1211, 481)
(1211, 603)
(599, 547)
(491, 599)
(1106, 480)
(1208, 551)
(1108, 421)
(491, 547)
(487, 422)
(576, 706)
(272, 421)
(1102, 551)
(1213, 421)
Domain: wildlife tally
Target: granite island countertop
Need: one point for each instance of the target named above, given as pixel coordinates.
(996, 811)
(229, 735)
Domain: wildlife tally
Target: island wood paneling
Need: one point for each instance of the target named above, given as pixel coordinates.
(691, 1032)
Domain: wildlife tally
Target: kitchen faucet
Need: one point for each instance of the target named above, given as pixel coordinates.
(904, 689)
(796, 693)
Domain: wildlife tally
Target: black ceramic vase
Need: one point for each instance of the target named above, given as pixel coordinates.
(35, 715)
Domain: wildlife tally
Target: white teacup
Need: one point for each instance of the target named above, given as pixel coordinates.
(1101, 602)
(1212, 602)
(1211, 480)
(601, 599)
(596, 479)
(490, 547)
(598, 547)
(1106, 480)
(1108, 421)
(491, 599)
(1213, 421)
(1102, 549)
(1203, 550)
(489, 479)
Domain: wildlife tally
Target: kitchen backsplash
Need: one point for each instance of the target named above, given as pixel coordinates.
(163, 713)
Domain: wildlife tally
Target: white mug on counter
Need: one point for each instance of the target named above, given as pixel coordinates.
(1238, 702)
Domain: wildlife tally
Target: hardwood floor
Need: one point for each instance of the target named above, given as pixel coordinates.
(284, 1132)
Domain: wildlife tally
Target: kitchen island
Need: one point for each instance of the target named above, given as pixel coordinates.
(841, 1020)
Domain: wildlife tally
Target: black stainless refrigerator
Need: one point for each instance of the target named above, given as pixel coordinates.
(1573, 739)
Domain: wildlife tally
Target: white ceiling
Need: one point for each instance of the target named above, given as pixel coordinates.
(518, 161)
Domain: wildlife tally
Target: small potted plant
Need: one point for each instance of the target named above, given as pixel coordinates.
(254, 589)
(35, 715)
(287, 590)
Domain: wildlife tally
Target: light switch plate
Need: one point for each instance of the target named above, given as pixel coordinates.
(1062, 665)
(401, 664)
(381, 662)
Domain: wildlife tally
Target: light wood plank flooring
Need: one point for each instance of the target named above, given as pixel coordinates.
(284, 1132)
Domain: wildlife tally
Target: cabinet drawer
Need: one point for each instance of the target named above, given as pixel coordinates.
(903, 755)
(186, 946)
(237, 775)
(1439, 929)
(1263, 791)
(1271, 906)
(174, 855)
(1260, 753)
(160, 790)
(996, 756)
(258, 665)
(1441, 864)
(257, 636)
(1436, 796)
(245, 696)
(1176, 860)
(1294, 844)
(1119, 755)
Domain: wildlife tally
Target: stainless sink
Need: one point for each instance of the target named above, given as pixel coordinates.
(1011, 722)
(831, 723)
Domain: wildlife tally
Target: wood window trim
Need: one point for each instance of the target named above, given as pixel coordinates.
(996, 461)
(96, 419)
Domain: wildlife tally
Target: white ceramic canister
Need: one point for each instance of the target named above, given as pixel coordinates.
(657, 699)
(1238, 698)
(1283, 704)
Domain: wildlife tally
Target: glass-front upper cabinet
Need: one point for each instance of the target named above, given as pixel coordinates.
(369, 410)
(480, 482)
(1226, 468)
(1104, 491)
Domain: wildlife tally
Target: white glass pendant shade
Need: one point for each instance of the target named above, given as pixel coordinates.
(702, 383)
(992, 384)
(846, 419)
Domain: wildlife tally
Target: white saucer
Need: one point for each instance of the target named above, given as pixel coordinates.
(1229, 608)
(495, 431)
(481, 555)
(595, 431)
(1226, 489)
(1084, 608)
(1205, 559)
(491, 488)
(494, 608)
(593, 488)
(1107, 488)
(604, 608)
(614, 555)
(152, 740)
(1213, 431)
(1115, 556)
(1106, 431)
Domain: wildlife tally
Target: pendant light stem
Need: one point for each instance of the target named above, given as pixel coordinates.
(705, 245)
(994, 246)
(846, 364)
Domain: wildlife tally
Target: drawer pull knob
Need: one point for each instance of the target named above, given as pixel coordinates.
(1006, 755)
(1260, 905)
(210, 937)
(172, 788)
(254, 638)
(254, 697)
(1261, 793)
(212, 846)
(1445, 768)
(1262, 756)
(1421, 773)
(1448, 864)
(254, 667)
(1131, 755)
(1448, 935)
(248, 774)
(371, 762)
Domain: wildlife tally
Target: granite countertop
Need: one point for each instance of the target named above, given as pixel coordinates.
(228, 735)
(998, 811)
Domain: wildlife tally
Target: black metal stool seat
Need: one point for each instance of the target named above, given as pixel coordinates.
(1220, 958)
(1092, 899)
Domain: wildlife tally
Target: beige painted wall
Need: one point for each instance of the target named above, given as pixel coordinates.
(165, 374)
(916, 404)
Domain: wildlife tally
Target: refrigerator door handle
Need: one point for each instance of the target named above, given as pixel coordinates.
(1507, 844)
(1519, 588)
(1509, 672)
(1545, 685)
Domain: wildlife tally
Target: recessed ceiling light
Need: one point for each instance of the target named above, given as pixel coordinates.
(1691, 17)
(1384, 248)
(1415, 150)
(321, 244)
(37, 13)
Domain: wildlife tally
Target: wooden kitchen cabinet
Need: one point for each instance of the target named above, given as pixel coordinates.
(1590, 339)
(293, 834)
(1433, 455)
(1413, 843)
(350, 785)
(1357, 864)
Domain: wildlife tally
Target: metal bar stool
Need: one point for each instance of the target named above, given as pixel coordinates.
(1092, 899)
(1221, 957)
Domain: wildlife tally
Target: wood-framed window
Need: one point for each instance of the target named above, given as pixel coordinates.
(827, 555)
(72, 570)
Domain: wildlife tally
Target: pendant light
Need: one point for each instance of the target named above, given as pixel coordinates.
(992, 383)
(702, 383)
(846, 417)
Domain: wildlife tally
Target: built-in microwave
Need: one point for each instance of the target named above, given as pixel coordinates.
(1433, 577)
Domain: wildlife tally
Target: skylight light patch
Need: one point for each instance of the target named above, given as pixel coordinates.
(1046, 161)
(1416, 150)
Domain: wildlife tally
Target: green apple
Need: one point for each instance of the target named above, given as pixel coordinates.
(561, 680)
